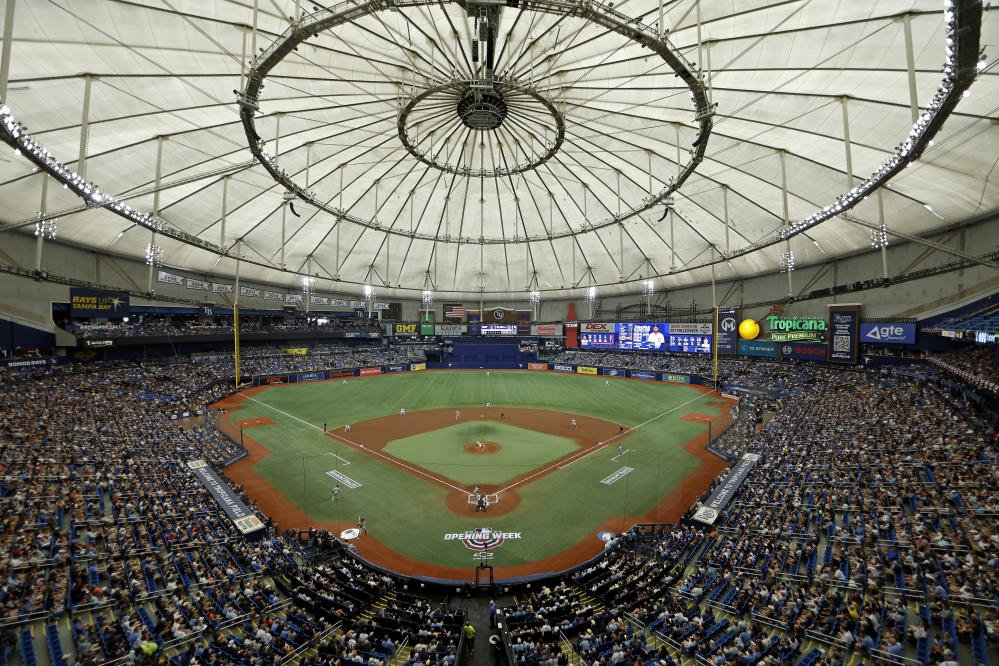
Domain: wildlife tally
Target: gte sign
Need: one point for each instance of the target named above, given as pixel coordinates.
(904, 334)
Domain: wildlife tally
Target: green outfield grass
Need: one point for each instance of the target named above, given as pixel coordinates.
(442, 451)
(408, 513)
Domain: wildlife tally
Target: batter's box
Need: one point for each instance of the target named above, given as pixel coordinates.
(490, 499)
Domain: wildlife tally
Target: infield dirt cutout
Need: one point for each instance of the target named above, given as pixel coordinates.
(487, 448)
(375, 433)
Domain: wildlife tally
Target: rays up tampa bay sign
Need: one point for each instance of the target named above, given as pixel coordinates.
(795, 329)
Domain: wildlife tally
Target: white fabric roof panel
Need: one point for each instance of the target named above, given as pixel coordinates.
(778, 71)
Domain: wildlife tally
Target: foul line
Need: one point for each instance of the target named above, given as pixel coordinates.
(576, 457)
(345, 462)
(361, 446)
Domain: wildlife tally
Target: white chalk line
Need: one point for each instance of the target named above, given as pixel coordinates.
(583, 454)
(361, 446)
(345, 462)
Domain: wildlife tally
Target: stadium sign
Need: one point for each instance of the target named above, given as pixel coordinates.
(482, 538)
(537, 366)
(449, 329)
(402, 329)
(803, 351)
(413, 367)
(98, 343)
(789, 329)
(904, 334)
(244, 519)
(643, 375)
(585, 370)
(310, 376)
(676, 379)
(562, 368)
(370, 371)
(596, 327)
(92, 303)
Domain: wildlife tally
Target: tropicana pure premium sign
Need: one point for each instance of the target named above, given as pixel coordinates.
(793, 329)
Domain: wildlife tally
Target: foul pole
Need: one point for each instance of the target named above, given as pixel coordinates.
(714, 350)
(235, 314)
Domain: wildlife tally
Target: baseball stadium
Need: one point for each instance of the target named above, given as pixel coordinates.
(499, 333)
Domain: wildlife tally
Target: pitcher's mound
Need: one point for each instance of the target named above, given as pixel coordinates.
(487, 447)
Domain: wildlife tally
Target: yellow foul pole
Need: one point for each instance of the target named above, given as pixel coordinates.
(714, 350)
(235, 337)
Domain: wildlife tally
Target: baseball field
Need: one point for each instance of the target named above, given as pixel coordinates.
(558, 458)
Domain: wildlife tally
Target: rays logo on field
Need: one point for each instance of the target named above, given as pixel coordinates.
(482, 538)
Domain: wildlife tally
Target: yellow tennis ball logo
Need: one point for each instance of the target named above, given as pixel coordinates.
(749, 329)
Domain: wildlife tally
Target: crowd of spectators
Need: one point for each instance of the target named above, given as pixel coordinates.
(867, 527)
(180, 325)
(977, 365)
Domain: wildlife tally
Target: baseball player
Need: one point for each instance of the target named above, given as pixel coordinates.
(345, 381)
(476, 492)
(457, 415)
(324, 426)
(360, 525)
(572, 423)
(402, 412)
(606, 382)
(480, 445)
(480, 504)
(346, 428)
(336, 492)
(620, 450)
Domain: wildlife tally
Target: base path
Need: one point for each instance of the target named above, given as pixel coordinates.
(591, 435)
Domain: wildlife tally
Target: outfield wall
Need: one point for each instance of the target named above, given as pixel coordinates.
(275, 379)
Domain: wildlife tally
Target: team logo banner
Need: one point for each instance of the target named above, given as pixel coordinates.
(319, 300)
(844, 333)
(219, 288)
(273, 295)
(198, 284)
(614, 372)
(728, 328)
(242, 517)
(901, 334)
(251, 292)
(293, 298)
(91, 303)
(583, 370)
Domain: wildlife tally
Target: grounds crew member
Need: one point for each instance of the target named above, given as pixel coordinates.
(470, 635)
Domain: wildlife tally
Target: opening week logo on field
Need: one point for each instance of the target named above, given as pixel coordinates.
(482, 538)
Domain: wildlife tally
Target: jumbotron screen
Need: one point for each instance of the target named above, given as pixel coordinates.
(695, 344)
(597, 340)
(642, 336)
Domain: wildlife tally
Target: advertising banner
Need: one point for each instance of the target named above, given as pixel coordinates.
(674, 378)
(449, 329)
(380, 306)
(403, 329)
(803, 351)
(198, 284)
(341, 373)
(689, 344)
(584, 370)
(297, 351)
(98, 343)
(241, 516)
(427, 323)
(170, 278)
(899, 334)
(614, 372)
(537, 366)
(319, 300)
(369, 371)
(274, 379)
(546, 329)
(338, 303)
(723, 494)
(642, 336)
(728, 328)
(690, 329)
(635, 374)
(844, 333)
(561, 368)
(310, 376)
(396, 368)
(219, 288)
(764, 348)
(797, 328)
(414, 367)
(251, 292)
(273, 295)
(359, 305)
(293, 298)
(91, 303)
(499, 329)
(596, 327)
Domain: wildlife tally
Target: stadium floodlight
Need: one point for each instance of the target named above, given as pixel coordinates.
(154, 255)
(649, 288)
(46, 228)
(535, 297)
(427, 298)
(785, 261)
(369, 292)
(879, 237)
(309, 285)
(591, 294)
